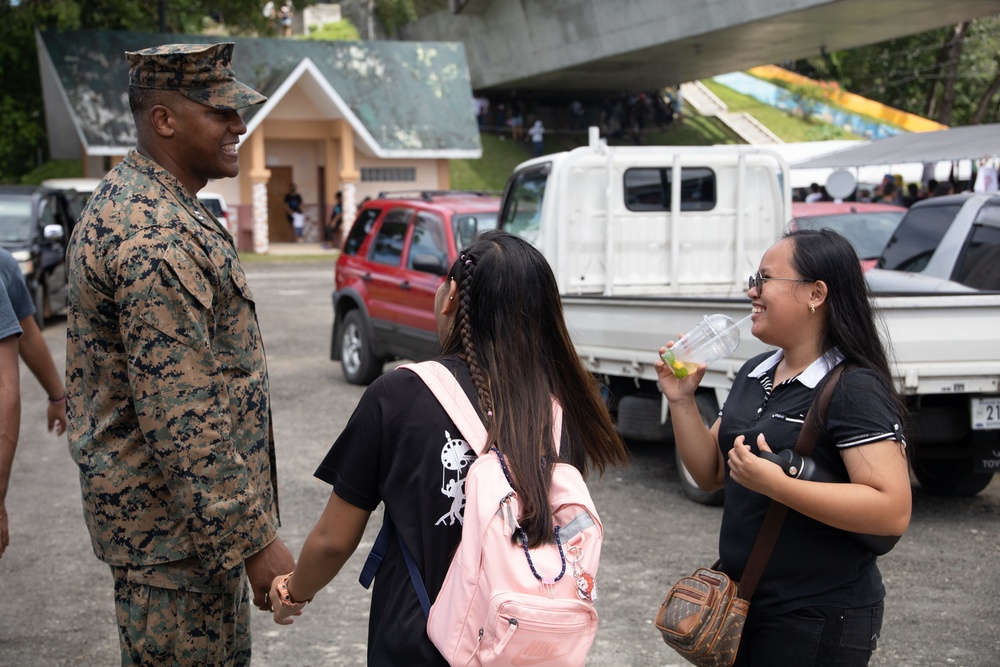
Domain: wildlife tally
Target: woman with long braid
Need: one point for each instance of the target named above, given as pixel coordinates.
(503, 336)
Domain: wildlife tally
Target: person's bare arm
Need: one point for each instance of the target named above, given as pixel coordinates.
(331, 542)
(10, 422)
(38, 359)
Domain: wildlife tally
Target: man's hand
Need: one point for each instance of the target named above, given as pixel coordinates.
(273, 560)
(57, 417)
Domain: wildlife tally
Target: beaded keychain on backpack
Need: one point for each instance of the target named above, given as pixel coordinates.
(586, 585)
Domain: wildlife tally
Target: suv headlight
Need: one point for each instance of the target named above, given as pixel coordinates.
(23, 258)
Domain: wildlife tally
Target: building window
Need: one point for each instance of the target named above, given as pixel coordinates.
(388, 174)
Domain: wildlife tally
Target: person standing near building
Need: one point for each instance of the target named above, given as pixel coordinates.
(537, 134)
(332, 230)
(169, 413)
(293, 209)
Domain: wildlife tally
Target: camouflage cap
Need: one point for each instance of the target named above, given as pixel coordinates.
(202, 72)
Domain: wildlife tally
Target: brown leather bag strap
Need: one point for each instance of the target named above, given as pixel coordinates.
(776, 512)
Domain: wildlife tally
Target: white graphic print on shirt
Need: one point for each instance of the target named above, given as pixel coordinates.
(456, 457)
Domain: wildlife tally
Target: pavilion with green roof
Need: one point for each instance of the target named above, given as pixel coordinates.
(355, 117)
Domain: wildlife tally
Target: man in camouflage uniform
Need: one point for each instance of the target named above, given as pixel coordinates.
(169, 415)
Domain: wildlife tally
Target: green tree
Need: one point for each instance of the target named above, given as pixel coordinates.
(23, 142)
(949, 74)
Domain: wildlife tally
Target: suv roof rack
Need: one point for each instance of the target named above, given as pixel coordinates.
(428, 195)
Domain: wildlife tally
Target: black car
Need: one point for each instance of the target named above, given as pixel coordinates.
(35, 225)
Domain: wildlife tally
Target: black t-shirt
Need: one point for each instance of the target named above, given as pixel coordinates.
(812, 563)
(400, 448)
(294, 201)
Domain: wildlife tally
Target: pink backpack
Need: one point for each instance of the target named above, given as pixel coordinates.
(502, 603)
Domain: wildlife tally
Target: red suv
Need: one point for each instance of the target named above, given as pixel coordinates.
(394, 258)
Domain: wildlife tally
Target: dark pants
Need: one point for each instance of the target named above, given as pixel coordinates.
(816, 636)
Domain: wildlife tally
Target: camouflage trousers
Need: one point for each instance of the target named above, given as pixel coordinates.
(173, 614)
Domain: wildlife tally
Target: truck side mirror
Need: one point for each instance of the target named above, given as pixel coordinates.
(53, 233)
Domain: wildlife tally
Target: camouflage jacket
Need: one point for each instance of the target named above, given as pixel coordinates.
(169, 416)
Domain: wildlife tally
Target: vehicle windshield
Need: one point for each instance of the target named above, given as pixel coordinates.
(522, 208)
(484, 222)
(16, 222)
(919, 233)
(868, 232)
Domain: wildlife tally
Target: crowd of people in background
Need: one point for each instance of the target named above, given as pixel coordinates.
(629, 116)
(892, 189)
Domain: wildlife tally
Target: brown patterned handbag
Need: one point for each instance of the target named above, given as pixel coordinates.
(703, 614)
(702, 618)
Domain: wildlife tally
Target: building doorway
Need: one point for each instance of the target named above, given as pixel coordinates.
(279, 227)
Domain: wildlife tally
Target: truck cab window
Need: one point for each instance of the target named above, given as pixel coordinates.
(980, 263)
(522, 210)
(919, 233)
(650, 189)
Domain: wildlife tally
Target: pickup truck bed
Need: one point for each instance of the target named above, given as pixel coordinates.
(943, 368)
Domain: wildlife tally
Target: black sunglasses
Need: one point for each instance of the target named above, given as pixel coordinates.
(758, 281)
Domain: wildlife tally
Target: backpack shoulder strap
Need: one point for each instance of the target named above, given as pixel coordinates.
(452, 397)
(454, 400)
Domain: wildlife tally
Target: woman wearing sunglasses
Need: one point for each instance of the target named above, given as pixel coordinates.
(820, 599)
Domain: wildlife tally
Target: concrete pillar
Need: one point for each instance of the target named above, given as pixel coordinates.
(349, 175)
(254, 190)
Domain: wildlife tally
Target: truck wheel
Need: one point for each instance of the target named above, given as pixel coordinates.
(709, 413)
(38, 298)
(360, 366)
(949, 477)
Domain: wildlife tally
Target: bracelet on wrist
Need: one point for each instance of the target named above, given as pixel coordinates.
(61, 399)
(284, 597)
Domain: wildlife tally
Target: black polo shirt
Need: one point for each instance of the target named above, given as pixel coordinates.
(812, 563)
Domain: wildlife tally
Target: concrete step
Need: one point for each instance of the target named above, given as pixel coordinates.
(701, 99)
(748, 128)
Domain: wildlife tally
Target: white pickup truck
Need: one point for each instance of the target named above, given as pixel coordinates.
(644, 241)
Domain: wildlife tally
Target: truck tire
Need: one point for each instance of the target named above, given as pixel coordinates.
(949, 477)
(359, 364)
(709, 413)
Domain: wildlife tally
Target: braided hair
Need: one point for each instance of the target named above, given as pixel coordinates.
(509, 329)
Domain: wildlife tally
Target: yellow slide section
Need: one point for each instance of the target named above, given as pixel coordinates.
(855, 103)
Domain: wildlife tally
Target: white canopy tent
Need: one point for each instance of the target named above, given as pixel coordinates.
(915, 156)
(958, 143)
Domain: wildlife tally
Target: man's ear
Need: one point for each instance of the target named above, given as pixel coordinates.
(451, 301)
(161, 119)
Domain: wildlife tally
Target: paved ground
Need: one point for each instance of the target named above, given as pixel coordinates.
(55, 597)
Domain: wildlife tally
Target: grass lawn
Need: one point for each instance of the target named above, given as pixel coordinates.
(786, 126)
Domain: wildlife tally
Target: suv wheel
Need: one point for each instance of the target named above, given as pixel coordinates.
(360, 366)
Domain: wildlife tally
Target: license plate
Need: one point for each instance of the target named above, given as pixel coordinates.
(985, 413)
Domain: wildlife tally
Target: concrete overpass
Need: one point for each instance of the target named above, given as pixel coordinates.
(596, 46)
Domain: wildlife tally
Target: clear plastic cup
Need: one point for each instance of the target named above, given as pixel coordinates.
(715, 337)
